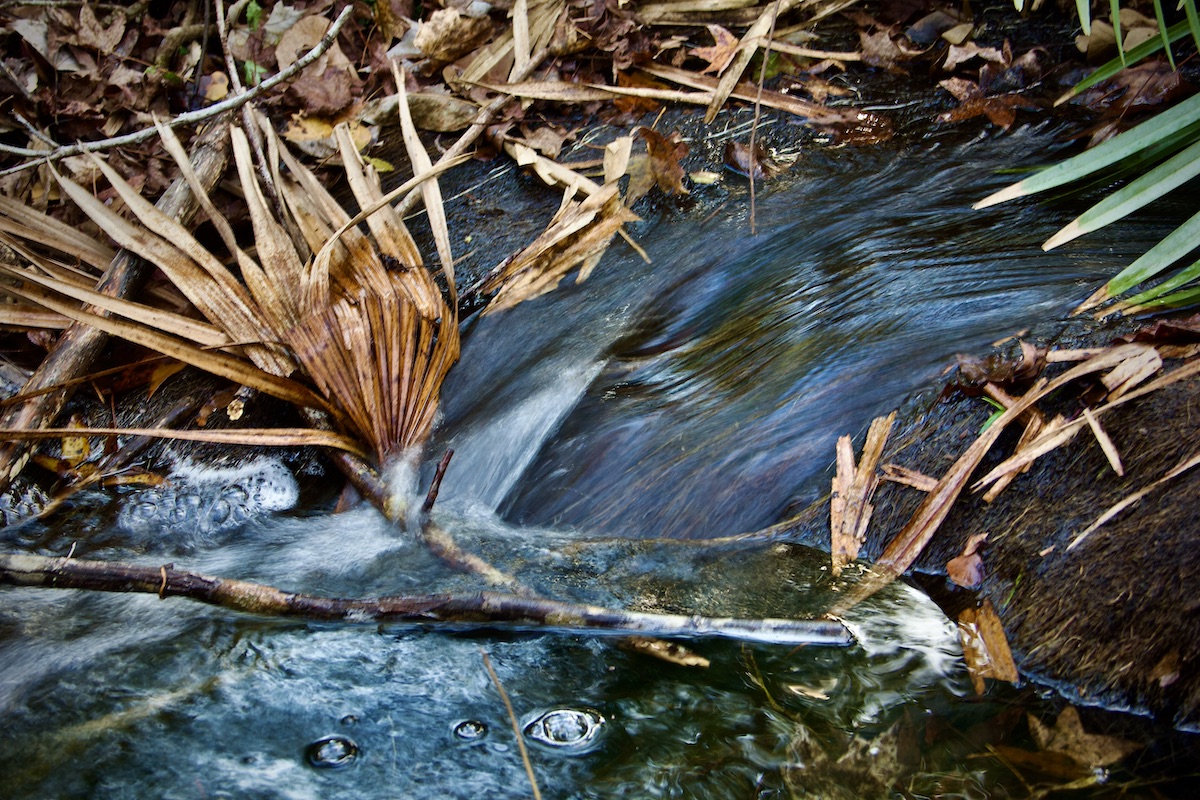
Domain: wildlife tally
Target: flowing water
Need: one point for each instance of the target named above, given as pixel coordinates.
(599, 432)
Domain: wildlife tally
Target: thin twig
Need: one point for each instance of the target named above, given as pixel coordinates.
(762, 78)
(33, 131)
(189, 118)
(436, 483)
(516, 726)
(253, 135)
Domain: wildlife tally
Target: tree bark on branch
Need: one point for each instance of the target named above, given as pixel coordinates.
(481, 609)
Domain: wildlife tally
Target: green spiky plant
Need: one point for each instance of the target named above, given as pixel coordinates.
(1165, 153)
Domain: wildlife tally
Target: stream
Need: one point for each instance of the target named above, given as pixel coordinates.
(601, 434)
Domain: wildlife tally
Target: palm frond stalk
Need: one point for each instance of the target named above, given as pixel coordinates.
(317, 301)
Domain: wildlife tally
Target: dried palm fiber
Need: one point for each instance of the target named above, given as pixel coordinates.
(356, 312)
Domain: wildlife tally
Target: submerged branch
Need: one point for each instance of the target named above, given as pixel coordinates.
(477, 608)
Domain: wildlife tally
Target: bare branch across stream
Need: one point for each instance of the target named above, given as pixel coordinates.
(478, 609)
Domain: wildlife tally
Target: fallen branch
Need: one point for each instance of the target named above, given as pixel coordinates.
(189, 118)
(478, 609)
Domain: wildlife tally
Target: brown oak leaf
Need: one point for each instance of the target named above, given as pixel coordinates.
(721, 53)
(91, 33)
(665, 153)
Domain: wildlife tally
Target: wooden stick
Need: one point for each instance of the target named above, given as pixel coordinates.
(477, 609)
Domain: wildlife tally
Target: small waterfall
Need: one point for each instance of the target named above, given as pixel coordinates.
(491, 457)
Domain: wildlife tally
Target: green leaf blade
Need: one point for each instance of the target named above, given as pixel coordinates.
(1103, 155)
(1166, 177)
(1178, 244)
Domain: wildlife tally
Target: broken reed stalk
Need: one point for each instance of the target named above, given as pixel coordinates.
(482, 120)
(516, 726)
(78, 346)
(906, 547)
(479, 609)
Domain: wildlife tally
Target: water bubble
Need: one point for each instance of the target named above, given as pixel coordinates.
(331, 752)
(565, 727)
(349, 719)
(470, 730)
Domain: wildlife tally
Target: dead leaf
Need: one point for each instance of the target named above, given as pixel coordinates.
(616, 158)
(546, 139)
(718, 56)
(214, 87)
(665, 153)
(1098, 43)
(985, 646)
(92, 34)
(1166, 671)
(760, 165)
(959, 33)
(162, 371)
(879, 49)
(75, 449)
(449, 34)
(326, 93)
(315, 137)
(928, 28)
(1000, 368)
(1049, 764)
(1091, 750)
(441, 113)
(960, 54)
(300, 37)
(1001, 110)
(966, 570)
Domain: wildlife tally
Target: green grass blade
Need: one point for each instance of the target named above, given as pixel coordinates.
(1193, 20)
(1084, 9)
(1188, 297)
(1158, 294)
(1164, 178)
(1103, 155)
(1178, 243)
(1143, 50)
(1114, 7)
(1162, 31)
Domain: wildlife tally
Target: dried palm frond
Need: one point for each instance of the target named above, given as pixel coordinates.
(357, 313)
(578, 235)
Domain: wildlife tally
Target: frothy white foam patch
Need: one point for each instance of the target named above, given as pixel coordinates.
(202, 501)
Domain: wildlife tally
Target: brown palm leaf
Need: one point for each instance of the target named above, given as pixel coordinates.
(357, 312)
